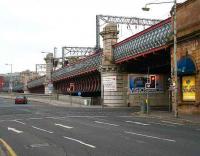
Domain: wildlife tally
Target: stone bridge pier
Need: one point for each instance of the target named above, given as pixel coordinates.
(48, 84)
(113, 80)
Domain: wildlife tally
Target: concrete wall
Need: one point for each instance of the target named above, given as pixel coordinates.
(75, 99)
(155, 99)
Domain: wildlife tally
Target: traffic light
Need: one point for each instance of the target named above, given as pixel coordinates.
(152, 81)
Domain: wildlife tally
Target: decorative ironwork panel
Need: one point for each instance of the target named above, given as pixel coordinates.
(36, 82)
(18, 87)
(89, 63)
(153, 37)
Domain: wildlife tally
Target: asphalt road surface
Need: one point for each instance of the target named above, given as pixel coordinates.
(38, 129)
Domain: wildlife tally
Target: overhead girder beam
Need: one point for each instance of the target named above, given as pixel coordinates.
(121, 20)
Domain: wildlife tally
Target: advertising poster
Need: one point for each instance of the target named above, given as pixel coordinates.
(188, 88)
(110, 83)
(137, 83)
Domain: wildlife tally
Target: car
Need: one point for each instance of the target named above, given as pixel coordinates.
(21, 100)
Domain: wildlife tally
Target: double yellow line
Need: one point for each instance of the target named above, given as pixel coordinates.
(9, 151)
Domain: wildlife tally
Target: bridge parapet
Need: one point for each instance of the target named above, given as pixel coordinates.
(19, 87)
(151, 39)
(85, 65)
(36, 82)
(15, 88)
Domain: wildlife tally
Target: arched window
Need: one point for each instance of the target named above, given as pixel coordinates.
(186, 66)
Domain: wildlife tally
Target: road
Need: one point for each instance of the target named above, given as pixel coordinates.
(38, 129)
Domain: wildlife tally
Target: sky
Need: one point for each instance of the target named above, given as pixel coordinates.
(28, 27)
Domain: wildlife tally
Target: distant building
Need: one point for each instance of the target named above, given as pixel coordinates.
(27, 75)
(16, 79)
(1, 82)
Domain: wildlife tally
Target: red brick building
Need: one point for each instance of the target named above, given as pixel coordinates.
(188, 56)
(1, 82)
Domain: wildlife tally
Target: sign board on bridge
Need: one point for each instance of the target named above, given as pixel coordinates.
(50, 88)
(110, 83)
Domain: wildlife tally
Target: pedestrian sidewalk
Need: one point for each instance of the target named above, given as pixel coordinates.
(169, 116)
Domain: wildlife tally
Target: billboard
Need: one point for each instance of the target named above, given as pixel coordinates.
(110, 83)
(188, 88)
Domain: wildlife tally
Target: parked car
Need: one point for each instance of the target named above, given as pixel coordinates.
(21, 100)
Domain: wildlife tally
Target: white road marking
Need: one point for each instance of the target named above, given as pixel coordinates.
(42, 129)
(14, 130)
(34, 118)
(39, 145)
(162, 124)
(106, 123)
(198, 129)
(138, 123)
(149, 136)
(71, 116)
(19, 122)
(64, 126)
(81, 142)
(53, 117)
(125, 116)
(173, 123)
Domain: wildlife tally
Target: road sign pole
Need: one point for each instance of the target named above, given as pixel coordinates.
(147, 101)
(70, 98)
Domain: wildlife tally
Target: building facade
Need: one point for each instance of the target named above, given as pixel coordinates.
(188, 56)
(1, 82)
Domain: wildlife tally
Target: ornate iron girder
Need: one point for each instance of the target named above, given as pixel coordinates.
(73, 54)
(149, 39)
(19, 87)
(88, 64)
(36, 82)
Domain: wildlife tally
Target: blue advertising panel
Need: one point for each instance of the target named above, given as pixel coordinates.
(137, 83)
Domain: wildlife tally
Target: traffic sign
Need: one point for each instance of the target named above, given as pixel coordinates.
(147, 85)
(50, 87)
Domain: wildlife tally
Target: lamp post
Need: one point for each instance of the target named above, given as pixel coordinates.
(174, 52)
(10, 83)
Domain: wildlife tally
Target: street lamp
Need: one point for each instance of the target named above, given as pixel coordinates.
(10, 83)
(174, 52)
(147, 9)
(54, 52)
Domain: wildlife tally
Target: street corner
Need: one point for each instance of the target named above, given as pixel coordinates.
(144, 115)
(5, 149)
(140, 115)
(167, 117)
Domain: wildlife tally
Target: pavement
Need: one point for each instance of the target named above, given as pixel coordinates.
(169, 116)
